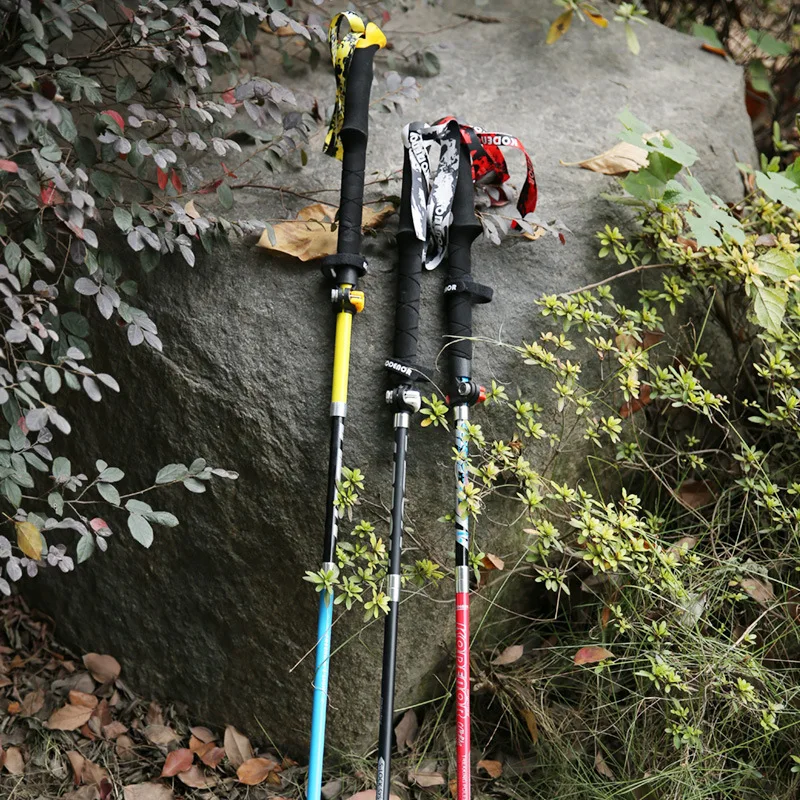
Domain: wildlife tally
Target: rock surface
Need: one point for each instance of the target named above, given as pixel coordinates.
(216, 614)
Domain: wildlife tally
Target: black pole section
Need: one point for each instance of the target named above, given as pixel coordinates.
(460, 291)
(405, 400)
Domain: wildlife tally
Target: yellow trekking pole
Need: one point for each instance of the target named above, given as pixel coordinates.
(347, 140)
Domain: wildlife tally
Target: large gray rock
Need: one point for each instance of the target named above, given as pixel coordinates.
(216, 614)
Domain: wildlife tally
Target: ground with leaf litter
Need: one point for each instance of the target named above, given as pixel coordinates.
(70, 728)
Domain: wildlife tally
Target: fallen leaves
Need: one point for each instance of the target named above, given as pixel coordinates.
(14, 762)
(694, 494)
(147, 791)
(177, 761)
(509, 655)
(313, 234)
(559, 27)
(68, 718)
(601, 767)
(32, 703)
(195, 778)
(591, 655)
(237, 747)
(760, 591)
(622, 158)
(405, 731)
(493, 768)
(257, 770)
(426, 777)
(104, 669)
(491, 561)
(533, 725)
(160, 734)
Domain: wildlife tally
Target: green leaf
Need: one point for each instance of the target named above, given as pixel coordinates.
(12, 254)
(85, 547)
(172, 472)
(123, 218)
(17, 437)
(708, 34)
(709, 218)
(768, 44)
(769, 306)
(225, 195)
(432, 64)
(193, 485)
(140, 529)
(111, 475)
(103, 182)
(75, 324)
(66, 125)
(86, 151)
(778, 187)
(93, 16)
(631, 39)
(56, 502)
(11, 491)
(36, 53)
(777, 264)
(126, 88)
(138, 507)
(109, 493)
(164, 518)
(759, 77)
(62, 469)
(52, 379)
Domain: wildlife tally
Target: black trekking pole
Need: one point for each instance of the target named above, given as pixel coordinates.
(460, 295)
(404, 399)
(347, 140)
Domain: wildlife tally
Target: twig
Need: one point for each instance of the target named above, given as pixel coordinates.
(632, 271)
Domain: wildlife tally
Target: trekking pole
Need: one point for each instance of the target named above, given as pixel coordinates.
(404, 399)
(460, 295)
(347, 140)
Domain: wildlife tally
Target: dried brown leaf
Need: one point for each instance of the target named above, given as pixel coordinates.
(333, 788)
(177, 761)
(104, 668)
(591, 655)
(148, 791)
(197, 779)
(154, 715)
(114, 729)
(78, 698)
(213, 756)
(509, 655)
(694, 494)
(426, 778)
(601, 766)
(312, 234)
(202, 733)
(14, 763)
(760, 591)
(14, 707)
(491, 561)
(405, 732)
(93, 774)
(533, 725)
(124, 749)
(494, 768)
(256, 770)
(76, 761)
(237, 747)
(621, 159)
(160, 734)
(68, 718)
(32, 703)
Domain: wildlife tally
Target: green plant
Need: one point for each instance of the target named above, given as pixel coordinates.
(668, 663)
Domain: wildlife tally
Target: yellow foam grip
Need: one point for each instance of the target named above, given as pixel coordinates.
(341, 356)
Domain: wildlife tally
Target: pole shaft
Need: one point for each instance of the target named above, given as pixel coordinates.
(390, 628)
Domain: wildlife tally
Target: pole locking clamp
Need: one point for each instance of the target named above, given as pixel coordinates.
(346, 299)
(404, 398)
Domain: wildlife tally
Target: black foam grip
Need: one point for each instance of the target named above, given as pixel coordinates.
(463, 231)
(355, 130)
(409, 274)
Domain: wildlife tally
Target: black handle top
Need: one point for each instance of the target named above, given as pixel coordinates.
(460, 291)
(355, 131)
(409, 274)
